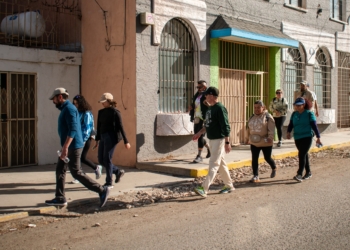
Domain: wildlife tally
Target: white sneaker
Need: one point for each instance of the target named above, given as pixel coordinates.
(98, 172)
(75, 181)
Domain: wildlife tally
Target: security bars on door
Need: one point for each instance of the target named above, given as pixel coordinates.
(177, 60)
(343, 90)
(322, 79)
(18, 119)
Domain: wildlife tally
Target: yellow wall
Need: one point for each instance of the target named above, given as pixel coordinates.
(110, 71)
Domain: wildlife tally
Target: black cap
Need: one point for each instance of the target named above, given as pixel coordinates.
(212, 91)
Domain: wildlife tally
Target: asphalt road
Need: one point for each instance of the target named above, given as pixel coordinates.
(276, 214)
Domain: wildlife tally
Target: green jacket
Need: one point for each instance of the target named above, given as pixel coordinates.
(216, 122)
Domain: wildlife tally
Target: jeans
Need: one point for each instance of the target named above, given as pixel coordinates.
(76, 171)
(201, 140)
(105, 154)
(279, 124)
(303, 145)
(84, 153)
(267, 151)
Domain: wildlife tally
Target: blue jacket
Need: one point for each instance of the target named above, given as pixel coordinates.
(69, 125)
(87, 124)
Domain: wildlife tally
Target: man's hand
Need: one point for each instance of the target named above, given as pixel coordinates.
(288, 136)
(196, 136)
(227, 148)
(127, 145)
(64, 153)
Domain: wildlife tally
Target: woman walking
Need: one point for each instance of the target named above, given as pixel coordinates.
(109, 132)
(87, 128)
(278, 107)
(303, 123)
(260, 132)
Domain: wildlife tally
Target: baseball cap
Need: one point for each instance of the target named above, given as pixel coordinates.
(105, 97)
(299, 101)
(58, 91)
(212, 91)
(303, 82)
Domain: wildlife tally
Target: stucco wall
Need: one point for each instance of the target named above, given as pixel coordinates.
(266, 12)
(111, 70)
(51, 73)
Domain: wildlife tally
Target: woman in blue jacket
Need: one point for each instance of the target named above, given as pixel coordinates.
(87, 128)
(303, 122)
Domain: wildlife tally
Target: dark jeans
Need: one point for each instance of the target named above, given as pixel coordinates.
(279, 124)
(105, 154)
(84, 153)
(267, 151)
(201, 140)
(303, 145)
(76, 171)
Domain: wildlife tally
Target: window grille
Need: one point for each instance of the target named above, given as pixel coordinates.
(294, 73)
(322, 79)
(343, 90)
(44, 24)
(177, 53)
(336, 9)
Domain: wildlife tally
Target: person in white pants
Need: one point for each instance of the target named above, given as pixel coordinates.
(218, 132)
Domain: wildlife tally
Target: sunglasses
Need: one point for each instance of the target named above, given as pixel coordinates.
(278, 93)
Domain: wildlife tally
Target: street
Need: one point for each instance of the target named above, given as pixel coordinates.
(274, 214)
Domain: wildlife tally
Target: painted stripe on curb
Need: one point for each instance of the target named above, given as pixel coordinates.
(14, 216)
(244, 163)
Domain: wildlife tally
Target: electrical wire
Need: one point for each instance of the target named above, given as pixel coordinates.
(108, 45)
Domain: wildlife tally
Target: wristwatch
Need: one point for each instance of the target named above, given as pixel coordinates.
(227, 142)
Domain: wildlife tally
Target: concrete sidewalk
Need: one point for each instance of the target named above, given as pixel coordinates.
(239, 156)
(24, 190)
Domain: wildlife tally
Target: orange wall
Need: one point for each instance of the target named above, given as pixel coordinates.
(110, 71)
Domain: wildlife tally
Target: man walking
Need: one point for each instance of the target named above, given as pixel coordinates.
(307, 94)
(69, 131)
(197, 113)
(218, 132)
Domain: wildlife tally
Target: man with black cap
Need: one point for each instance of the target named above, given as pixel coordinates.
(69, 131)
(218, 130)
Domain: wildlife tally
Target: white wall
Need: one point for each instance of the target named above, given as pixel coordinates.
(53, 70)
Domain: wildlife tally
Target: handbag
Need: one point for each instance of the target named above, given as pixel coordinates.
(255, 138)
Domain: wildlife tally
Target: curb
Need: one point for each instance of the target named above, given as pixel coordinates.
(244, 163)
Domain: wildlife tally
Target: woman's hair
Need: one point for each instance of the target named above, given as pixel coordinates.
(112, 103)
(83, 105)
(308, 104)
(279, 90)
(260, 102)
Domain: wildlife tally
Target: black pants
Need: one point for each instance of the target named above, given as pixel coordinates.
(76, 171)
(267, 151)
(201, 140)
(279, 124)
(303, 145)
(84, 153)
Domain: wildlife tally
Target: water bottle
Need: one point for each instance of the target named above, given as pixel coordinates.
(66, 159)
(319, 145)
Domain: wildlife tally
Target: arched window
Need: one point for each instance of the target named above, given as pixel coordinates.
(322, 79)
(177, 67)
(294, 73)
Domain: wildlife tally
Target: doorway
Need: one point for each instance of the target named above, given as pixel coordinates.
(18, 119)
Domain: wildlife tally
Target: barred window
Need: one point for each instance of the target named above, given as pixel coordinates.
(294, 73)
(322, 79)
(296, 3)
(337, 9)
(343, 90)
(177, 53)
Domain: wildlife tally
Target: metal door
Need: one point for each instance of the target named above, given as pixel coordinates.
(239, 90)
(18, 119)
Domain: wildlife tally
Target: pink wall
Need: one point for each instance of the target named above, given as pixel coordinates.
(110, 71)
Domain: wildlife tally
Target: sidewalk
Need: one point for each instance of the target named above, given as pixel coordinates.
(25, 189)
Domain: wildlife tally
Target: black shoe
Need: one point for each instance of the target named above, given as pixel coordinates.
(279, 144)
(298, 178)
(208, 154)
(104, 196)
(273, 173)
(56, 202)
(307, 176)
(119, 175)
